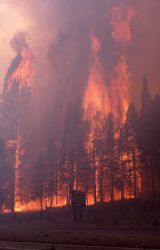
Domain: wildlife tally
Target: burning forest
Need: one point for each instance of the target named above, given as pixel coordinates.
(77, 109)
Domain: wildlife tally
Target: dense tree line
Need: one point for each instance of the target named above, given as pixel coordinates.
(118, 160)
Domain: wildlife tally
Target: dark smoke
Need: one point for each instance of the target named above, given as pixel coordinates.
(19, 42)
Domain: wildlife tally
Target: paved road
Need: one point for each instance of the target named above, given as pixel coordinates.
(5, 245)
(76, 227)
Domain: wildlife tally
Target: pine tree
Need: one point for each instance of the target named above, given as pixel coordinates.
(155, 144)
(39, 178)
(121, 163)
(144, 143)
(110, 153)
(130, 130)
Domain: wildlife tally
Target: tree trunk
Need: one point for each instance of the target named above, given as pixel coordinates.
(94, 178)
(101, 180)
(93, 158)
(153, 181)
(41, 200)
(51, 192)
(134, 172)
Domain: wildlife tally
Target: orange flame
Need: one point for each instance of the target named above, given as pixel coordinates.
(120, 89)
(96, 100)
(24, 73)
(34, 205)
(100, 98)
(22, 77)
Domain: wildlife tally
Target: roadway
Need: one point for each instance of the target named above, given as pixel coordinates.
(7, 245)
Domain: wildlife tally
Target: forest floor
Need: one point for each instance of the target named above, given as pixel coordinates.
(117, 224)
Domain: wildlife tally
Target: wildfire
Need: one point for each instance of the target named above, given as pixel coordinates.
(23, 73)
(106, 92)
(19, 77)
(17, 176)
(96, 103)
(100, 98)
(120, 85)
(33, 205)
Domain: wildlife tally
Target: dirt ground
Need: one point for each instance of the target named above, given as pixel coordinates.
(117, 225)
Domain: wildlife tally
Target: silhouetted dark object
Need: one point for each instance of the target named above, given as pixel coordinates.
(78, 201)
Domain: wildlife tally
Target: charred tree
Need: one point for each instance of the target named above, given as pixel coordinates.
(130, 130)
(144, 131)
(110, 153)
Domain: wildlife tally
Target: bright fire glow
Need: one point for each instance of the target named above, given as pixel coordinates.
(100, 98)
(23, 74)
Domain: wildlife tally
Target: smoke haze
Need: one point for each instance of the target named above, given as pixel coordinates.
(59, 35)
